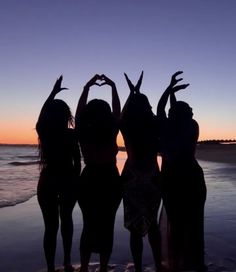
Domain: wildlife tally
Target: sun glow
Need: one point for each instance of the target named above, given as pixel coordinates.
(18, 135)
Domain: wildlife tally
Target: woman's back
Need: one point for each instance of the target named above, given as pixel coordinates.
(140, 131)
(178, 140)
(141, 141)
(97, 130)
(57, 149)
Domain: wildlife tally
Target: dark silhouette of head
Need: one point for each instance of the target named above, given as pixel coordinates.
(138, 109)
(98, 110)
(180, 111)
(55, 120)
(96, 121)
(58, 115)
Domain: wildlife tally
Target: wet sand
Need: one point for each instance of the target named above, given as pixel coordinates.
(225, 153)
(21, 229)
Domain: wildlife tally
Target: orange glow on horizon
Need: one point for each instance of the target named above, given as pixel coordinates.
(18, 133)
(18, 138)
(24, 134)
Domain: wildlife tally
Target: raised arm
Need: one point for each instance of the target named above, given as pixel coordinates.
(84, 96)
(133, 89)
(172, 99)
(115, 98)
(56, 89)
(170, 91)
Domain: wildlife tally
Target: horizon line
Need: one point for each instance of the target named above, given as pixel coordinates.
(122, 146)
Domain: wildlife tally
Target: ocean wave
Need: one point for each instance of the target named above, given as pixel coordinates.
(28, 157)
(18, 163)
(16, 200)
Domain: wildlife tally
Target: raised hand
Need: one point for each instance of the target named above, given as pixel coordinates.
(57, 86)
(134, 89)
(175, 88)
(130, 84)
(106, 81)
(56, 89)
(93, 81)
(115, 98)
(138, 85)
(170, 92)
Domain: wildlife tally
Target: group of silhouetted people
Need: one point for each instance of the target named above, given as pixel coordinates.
(99, 188)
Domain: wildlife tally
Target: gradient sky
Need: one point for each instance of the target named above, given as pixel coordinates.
(42, 39)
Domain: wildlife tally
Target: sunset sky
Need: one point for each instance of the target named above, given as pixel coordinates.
(42, 39)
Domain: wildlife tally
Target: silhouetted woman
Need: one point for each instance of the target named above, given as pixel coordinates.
(100, 188)
(184, 190)
(141, 175)
(60, 167)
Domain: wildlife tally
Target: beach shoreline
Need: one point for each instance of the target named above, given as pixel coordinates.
(22, 227)
(22, 240)
(223, 153)
(213, 152)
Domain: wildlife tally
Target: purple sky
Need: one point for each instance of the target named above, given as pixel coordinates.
(42, 39)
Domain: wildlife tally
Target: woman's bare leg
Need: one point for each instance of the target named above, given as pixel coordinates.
(136, 246)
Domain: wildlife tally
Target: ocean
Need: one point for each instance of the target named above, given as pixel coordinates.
(19, 173)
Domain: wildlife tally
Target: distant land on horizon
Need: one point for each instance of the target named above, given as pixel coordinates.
(3, 144)
(122, 148)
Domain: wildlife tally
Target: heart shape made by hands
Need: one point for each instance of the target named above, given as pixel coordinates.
(101, 79)
(99, 84)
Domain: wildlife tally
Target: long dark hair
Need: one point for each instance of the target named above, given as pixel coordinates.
(138, 109)
(180, 111)
(53, 121)
(96, 121)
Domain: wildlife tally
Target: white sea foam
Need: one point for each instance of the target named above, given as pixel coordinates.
(18, 174)
(94, 267)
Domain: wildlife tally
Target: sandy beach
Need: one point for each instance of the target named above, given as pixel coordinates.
(225, 153)
(21, 238)
(21, 226)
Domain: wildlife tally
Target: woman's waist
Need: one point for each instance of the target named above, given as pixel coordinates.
(172, 157)
(179, 164)
(139, 168)
(99, 159)
(147, 163)
(59, 161)
(58, 169)
(99, 165)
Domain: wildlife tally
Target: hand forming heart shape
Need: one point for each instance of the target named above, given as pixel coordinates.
(101, 78)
